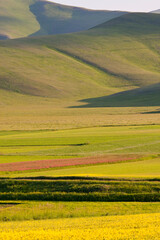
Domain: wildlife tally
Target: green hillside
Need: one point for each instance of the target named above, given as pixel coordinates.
(16, 20)
(21, 18)
(118, 55)
(114, 64)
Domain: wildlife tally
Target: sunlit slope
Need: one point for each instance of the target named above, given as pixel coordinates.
(127, 48)
(120, 55)
(16, 19)
(21, 18)
(31, 68)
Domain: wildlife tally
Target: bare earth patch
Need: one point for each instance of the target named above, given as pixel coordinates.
(56, 163)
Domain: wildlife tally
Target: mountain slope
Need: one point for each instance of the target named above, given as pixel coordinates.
(117, 56)
(126, 48)
(57, 19)
(156, 11)
(21, 18)
(16, 20)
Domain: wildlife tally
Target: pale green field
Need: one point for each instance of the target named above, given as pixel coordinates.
(142, 141)
(142, 169)
(20, 211)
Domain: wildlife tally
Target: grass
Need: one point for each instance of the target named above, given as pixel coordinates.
(16, 19)
(82, 142)
(21, 211)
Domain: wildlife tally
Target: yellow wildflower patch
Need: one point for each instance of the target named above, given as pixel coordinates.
(131, 227)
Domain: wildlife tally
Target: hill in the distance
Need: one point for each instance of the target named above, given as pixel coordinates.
(19, 18)
(156, 11)
(118, 56)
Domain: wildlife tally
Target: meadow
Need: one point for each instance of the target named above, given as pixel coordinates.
(29, 210)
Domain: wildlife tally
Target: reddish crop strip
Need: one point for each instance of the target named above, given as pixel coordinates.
(56, 163)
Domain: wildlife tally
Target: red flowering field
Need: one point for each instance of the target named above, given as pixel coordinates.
(56, 163)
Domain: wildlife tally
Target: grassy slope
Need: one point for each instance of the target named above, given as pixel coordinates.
(16, 20)
(126, 48)
(86, 59)
(20, 18)
(40, 71)
(120, 55)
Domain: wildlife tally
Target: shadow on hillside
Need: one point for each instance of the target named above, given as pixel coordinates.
(152, 112)
(3, 37)
(148, 96)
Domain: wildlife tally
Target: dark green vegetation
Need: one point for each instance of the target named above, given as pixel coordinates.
(28, 210)
(19, 18)
(80, 190)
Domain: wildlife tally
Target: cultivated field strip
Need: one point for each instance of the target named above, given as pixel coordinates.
(58, 163)
(131, 227)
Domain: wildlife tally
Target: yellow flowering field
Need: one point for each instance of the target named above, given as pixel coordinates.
(130, 227)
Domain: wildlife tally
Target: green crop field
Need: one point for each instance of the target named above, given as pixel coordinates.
(143, 169)
(23, 210)
(140, 144)
(81, 142)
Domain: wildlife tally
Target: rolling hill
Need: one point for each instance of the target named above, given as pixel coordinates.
(156, 11)
(120, 54)
(19, 18)
(114, 64)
